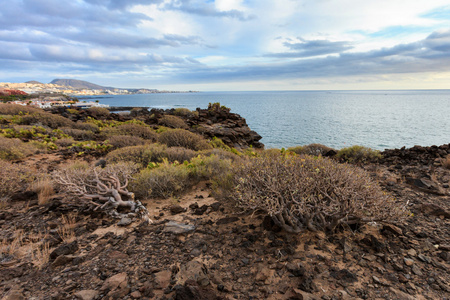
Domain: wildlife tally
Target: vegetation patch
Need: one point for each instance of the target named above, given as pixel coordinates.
(183, 138)
(301, 192)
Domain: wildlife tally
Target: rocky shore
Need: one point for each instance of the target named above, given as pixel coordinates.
(201, 248)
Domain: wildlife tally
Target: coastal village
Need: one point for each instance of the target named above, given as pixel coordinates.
(63, 92)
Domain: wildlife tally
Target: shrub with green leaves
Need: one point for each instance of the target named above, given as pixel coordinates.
(162, 181)
(120, 141)
(358, 154)
(172, 122)
(13, 149)
(184, 112)
(141, 155)
(79, 134)
(98, 112)
(311, 149)
(179, 154)
(183, 138)
(142, 131)
(317, 193)
(14, 178)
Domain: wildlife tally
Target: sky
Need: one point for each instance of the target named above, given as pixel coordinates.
(229, 45)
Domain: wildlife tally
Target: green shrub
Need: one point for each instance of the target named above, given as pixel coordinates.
(87, 126)
(163, 181)
(120, 141)
(141, 155)
(98, 112)
(222, 154)
(209, 167)
(179, 154)
(65, 142)
(317, 193)
(216, 107)
(311, 149)
(13, 149)
(79, 134)
(172, 122)
(137, 130)
(358, 154)
(91, 147)
(183, 138)
(15, 109)
(14, 178)
(184, 112)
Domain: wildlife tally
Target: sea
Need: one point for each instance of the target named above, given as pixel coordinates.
(376, 119)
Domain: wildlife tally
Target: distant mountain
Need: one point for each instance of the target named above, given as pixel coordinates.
(79, 84)
(34, 82)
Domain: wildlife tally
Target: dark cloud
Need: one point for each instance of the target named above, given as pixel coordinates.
(67, 14)
(122, 4)
(305, 48)
(427, 55)
(205, 9)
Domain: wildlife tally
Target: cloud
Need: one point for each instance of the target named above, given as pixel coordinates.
(428, 55)
(206, 9)
(309, 48)
(67, 14)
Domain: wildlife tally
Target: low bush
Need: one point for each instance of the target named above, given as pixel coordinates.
(65, 142)
(15, 109)
(87, 126)
(44, 188)
(163, 181)
(358, 154)
(183, 138)
(43, 118)
(184, 112)
(98, 112)
(172, 122)
(311, 149)
(317, 193)
(209, 167)
(120, 141)
(137, 130)
(13, 149)
(79, 134)
(179, 154)
(14, 178)
(221, 153)
(141, 155)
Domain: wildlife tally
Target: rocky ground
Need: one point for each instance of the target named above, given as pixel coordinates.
(199, 248)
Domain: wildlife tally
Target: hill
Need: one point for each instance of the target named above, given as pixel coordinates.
(78, 84)
(33, 82)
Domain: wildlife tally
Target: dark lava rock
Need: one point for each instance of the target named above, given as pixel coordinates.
(191, 290)
(227, 220)
(64, 249)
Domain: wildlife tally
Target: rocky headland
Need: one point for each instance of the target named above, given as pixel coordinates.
(199, 247)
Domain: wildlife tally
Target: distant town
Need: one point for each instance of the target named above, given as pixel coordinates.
(63, 92)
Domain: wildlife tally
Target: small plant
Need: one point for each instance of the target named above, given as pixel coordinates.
(14, 178)
(14, 149)
(162, 181)
(79, 134)
(98, 112)
(305, 192)
(120, 141)
(44, 188)
(358, 154)
(66, 228)
(216, 107)
(137, 130)
(140, 155)
(172, 122)
(311, 149)
(183, 138)
(184, 112)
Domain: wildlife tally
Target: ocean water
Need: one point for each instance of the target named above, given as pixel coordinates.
(376, 119)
